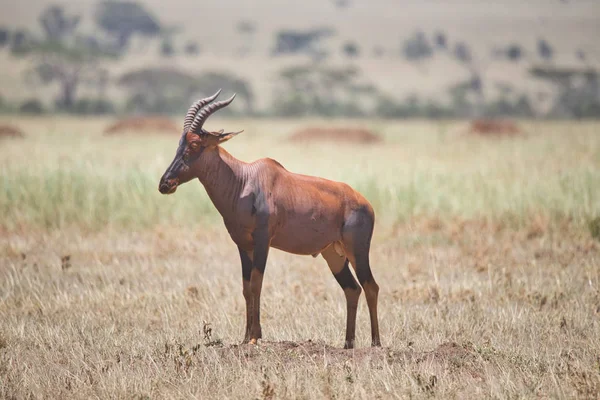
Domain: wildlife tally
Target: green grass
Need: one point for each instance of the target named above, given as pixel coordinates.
(63, 177)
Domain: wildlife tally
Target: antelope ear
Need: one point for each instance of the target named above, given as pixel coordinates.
(223, 137)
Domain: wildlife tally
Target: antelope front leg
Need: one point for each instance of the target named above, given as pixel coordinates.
(259, 262)
(246, 257)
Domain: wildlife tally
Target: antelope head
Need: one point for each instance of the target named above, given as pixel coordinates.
(194, 140)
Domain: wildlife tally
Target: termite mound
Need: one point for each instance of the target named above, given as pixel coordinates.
(494, 127)
(335, 134)
(10, 131)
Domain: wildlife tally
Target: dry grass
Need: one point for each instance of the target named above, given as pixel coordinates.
(472, 306)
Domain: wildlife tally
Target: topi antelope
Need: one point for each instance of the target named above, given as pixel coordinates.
(264, 205)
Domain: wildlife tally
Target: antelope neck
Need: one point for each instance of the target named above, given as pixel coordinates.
(223, 177)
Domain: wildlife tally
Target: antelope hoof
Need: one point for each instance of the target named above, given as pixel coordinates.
(376, 343)
(253, 341)
(349, 344)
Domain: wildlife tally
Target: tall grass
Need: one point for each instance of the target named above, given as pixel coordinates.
(61, 177)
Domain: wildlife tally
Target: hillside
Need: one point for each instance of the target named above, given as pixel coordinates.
(378, 28)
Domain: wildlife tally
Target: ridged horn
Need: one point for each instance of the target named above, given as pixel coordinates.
(207, 111)
(189, 118)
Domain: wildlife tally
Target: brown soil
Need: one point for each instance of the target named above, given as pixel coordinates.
(448, 353)
(338, 135)
(143, 125)
(492, 127)
(10, 131)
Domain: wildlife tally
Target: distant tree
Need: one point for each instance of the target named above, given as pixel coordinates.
(91, 106)
(523, 107)
(246, 29)
(22, 41)
(92, 43)
(211, 81)
(191, 48)
(65, 58)
(476, 83)
(545, 50)
(578, 90)
(417, 47)
(462, 52)
(320, 90)
(514, 52)
(504, 88)
(463, 92)
(166, 48)
(301, 42)
(158, 90)
(69, 65)
(32, 106)
(57, 25)
(170, 90)
(350, 49)
(440, 40)
(4, 36)
(123, 19)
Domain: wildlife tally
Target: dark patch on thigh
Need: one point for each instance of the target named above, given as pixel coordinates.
(345, 278)
(364, 275)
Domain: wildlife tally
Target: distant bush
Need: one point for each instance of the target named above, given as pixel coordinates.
(192, 48)
(440, 40)
(544, 49)
(167, 49)
(301, 42)
(92, 106)
(57, 24)
(417, 47)
(4, 37)
(293, 105)
(462, 52)
(514, 52)
(21, 42)
(351, 50)
(123, 19)
(32, 106)
(411, 107)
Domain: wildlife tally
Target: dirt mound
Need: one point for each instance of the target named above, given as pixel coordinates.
(143, 125)
(448, 353)
(308, 350)
(493, 127)
(337, 135)
(8, 131)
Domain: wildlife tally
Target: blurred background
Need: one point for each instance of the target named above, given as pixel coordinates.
(429, 59)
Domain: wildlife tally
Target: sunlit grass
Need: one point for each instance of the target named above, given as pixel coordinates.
(69, 174)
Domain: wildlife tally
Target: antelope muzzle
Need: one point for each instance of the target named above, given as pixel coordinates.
(168, 186)
(170, 179)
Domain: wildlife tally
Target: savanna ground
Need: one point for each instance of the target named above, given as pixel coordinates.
(489, 274)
